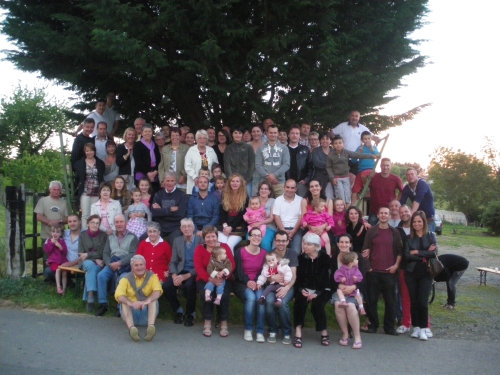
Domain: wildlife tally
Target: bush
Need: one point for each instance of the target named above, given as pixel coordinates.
(491, 217)
(35, 171)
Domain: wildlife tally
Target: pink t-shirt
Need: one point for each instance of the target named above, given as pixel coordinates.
(252, 264)
(340, 223)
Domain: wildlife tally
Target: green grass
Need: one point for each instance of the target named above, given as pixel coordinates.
(460, 235)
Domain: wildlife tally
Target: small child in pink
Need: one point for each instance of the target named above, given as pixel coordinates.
(56, 249)
(339, 210)
(274, 266)
(318, 217)
(348, 274)
(255, 214)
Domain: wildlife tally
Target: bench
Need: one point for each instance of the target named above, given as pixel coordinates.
(482, 273)
(79, 276)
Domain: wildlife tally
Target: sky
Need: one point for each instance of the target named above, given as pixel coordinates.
(461, 81)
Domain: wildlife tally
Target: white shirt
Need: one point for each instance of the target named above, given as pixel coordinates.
(289, 212)
(100, 147)
(350, 135)
(98, 118)
(112, 116)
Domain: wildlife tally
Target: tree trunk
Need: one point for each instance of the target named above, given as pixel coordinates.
(15, 219)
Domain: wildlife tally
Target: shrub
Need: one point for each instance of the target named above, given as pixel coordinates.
(491, 217)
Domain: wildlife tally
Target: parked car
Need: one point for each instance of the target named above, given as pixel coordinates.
(439, 224)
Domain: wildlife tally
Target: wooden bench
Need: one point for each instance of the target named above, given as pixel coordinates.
(482, 274)
(79, 276)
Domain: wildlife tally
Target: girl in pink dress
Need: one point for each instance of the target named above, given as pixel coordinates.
(317, 217)
(255, 213)
(56, 249)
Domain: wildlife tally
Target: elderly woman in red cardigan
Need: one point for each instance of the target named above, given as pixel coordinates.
(156, 251)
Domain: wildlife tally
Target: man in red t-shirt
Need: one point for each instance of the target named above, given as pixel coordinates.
(384, 187)
(384, 249)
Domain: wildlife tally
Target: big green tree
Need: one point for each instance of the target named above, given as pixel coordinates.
(223, 61)
(28, 118)
(463, 181)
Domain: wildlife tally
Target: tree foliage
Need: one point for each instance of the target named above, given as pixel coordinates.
(27, 121)
(225, 62)
(491, 217)
(462, 180)
(34, 171)
(399, 169)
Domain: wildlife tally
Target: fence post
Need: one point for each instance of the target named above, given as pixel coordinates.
(15, 226)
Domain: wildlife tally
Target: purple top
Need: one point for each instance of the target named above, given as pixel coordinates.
(349, 274)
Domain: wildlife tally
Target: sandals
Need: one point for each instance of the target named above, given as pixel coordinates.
(344, 342)
(224, 332)
(325, 340)
(297, 342)
(207, 331)
(60, 290)
(357, 345)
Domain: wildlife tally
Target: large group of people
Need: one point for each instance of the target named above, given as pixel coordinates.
(257, 213)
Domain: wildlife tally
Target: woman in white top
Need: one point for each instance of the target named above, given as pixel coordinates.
(106, 208)
(197, 156)
(173, 157)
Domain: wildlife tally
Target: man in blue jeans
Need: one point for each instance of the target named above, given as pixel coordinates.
(119, 249)
(285, 293)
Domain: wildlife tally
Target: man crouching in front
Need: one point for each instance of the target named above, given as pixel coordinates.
(138, 294)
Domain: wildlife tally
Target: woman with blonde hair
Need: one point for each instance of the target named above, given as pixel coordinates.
(232, 227)
(125, 157)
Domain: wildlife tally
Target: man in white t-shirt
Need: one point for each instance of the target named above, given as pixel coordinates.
(111, 114)
(351, 134)
(287, 214)
(97, 116)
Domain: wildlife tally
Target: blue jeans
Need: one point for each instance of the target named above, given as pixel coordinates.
(103, 279)
(91, 270)
(372, 219)
(432, 226)
(283, 311)
(141, 316)
(296, 243)
(252, 309)
(219, 289)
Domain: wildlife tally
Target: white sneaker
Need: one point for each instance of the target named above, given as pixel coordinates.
(260, 337)
(428, 332)
(402, 329)
(422, 335)
(248, 336)
(416, 332)
(272, 338)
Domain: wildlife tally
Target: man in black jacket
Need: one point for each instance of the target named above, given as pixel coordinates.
(299, 161)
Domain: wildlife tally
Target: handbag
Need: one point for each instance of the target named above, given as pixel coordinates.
(435, 266)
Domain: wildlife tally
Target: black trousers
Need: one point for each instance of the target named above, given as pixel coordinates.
(317, 309)
(385, 283)
(208, 307)
(419, 285)
(189, 287)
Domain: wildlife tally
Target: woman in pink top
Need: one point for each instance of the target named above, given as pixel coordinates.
(106, 208)
(249, 261)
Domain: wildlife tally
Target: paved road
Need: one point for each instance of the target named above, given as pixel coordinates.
(38, 343)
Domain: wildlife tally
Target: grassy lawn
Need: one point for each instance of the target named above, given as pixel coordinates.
(461, 235)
